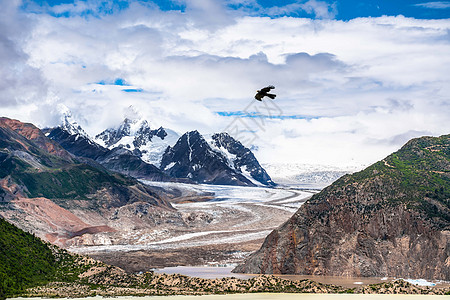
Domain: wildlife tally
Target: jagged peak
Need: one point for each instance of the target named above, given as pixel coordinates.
(71, 126)
(193, 133)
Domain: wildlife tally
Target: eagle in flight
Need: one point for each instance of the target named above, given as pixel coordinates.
(265, 92)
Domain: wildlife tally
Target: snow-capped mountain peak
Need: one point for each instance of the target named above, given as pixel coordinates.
(137, 136)
(240, 158)
(72, 127)
(218, 159)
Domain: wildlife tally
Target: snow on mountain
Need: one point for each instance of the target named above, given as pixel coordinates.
(131, 146)
(72, 127)
(218, 159)
(240, 158)
(74, 139)
(137, 136)
(307, 175)
(192, 157)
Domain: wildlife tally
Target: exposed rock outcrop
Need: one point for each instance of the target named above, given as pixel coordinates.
(391, 219)
(241, 158)
(193, 158)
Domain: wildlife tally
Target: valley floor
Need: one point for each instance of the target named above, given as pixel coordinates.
(222, 229)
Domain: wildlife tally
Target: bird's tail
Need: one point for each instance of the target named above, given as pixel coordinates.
(271, 96)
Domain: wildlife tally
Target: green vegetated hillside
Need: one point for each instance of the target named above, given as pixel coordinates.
(25, 260)
(73, 181)
(417, 176)
(391, 219)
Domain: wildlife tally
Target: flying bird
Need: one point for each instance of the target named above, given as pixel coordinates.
(265, 92)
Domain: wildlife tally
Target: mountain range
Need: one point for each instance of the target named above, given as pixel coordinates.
(120, 159)
(46, 190)
(134, 149)
(63, 186)
(391, 219)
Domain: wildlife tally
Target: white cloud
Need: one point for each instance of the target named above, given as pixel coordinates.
(19, 83)
(435, 4)
(366, 85)
(315, 8)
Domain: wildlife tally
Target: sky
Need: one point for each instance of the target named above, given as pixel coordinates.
(355, 80)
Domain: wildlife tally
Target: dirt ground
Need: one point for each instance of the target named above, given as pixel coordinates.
(145, 260)
(224, 229)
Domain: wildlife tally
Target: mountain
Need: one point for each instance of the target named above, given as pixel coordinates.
(136, 135)
(223, 159)
(75, 140)
(44, 189)
(240, 158)
(192, 157)
(130, 147)
(391, 219)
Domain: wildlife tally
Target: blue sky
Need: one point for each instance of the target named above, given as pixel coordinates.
(339, 9)
(348, 92)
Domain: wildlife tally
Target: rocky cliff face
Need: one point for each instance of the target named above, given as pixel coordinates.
(391, 219)
(193, 158)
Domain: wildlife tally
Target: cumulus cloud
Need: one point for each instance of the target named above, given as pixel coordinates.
(20, 83)
(348, 92)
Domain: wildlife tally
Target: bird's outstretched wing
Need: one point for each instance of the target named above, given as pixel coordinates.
(267, 89)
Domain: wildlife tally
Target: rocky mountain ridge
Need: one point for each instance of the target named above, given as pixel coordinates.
(136, 135)
(46, 190)
(391, 219)
(221, 161)
(134, 149)
(241, 158)
(119, 159)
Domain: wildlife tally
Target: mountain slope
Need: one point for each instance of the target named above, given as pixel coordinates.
(124, 161)
(73, 138)
(241, 158)
(391, 219)
(29, 132)
(44, 189)
(192, 157)
(25, 260)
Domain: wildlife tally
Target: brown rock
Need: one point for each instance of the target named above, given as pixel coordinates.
(392, 219)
